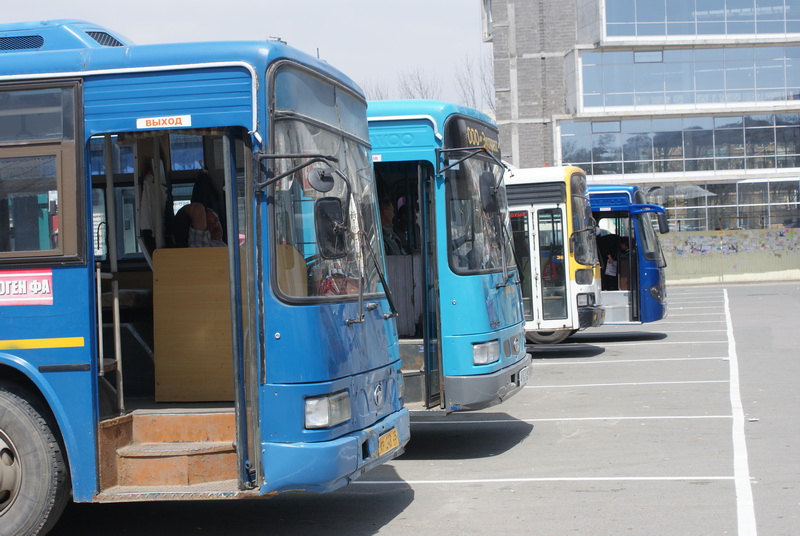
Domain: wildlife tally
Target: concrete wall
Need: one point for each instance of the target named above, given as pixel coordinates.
(731, 256)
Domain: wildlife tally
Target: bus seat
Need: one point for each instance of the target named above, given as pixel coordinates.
(291, 271)
(178, 232)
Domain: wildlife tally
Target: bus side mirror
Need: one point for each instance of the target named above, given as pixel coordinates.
(321, 179)
(330, 227)
(488, 192)
(663, 223)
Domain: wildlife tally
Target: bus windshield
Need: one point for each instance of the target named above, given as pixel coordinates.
(583, 224)
(475, 235)
(651, 248)
(302, 269)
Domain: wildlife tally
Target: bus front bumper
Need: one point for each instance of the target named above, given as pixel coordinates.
(328, 465)
(591, 316)
(485, 390)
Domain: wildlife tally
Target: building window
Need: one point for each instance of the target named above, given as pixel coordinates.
(649, 18)
(488, 20)
(683, 144)
(745, 204)
(687, 77)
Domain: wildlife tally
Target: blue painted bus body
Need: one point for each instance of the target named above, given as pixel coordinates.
(54, 346)
(469, 308)
(648, 281)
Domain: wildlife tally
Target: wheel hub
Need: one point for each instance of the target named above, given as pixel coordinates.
(10, 473)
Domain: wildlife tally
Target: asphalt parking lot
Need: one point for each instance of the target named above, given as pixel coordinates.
(688, 426)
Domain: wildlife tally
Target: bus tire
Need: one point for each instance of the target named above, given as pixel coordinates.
(34, 488)
(548, 337)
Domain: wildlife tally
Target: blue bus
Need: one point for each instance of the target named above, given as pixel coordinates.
(133, 368)
(633, 285)
(453, 275)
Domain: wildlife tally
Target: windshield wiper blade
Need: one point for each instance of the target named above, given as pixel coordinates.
(386, 289)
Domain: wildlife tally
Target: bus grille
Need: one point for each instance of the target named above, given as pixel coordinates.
(105, 39)
(24, 42)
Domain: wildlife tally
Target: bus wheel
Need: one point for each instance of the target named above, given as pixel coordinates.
(33, 482)
(548, 337)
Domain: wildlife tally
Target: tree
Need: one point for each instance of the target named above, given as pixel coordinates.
(417, 85)
(475, 82)
(376, 90)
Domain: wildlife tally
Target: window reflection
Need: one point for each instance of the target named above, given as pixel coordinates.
(680, 77)
(630, 18)
(747, 204)
(676, 144)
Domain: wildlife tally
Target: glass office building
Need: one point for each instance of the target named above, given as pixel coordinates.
(695, 100)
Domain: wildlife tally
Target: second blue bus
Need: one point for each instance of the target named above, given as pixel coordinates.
(462, 338)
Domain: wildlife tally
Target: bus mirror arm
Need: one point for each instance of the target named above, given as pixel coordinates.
(472, 152)
(312, 159)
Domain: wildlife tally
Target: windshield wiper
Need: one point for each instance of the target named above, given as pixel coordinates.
(386, 289)
(520, 275)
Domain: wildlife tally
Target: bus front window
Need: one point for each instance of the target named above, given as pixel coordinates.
(477, 241)
(583, 224)
(302, 268)
(651, 248)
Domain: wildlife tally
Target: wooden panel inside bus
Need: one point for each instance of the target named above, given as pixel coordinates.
(192, 325)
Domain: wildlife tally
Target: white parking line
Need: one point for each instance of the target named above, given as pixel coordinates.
(662, 322)
(648, 343)
(621, 384)
(671, 315)
(685, 307)
(572, 419)
(741, 469)
(694, 331)
(653, 360)
(551, 479)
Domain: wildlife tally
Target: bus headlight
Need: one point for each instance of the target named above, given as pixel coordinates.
(655, 292)
(515, 344)
(326, 411)
(584, 276)
(485, 353)
(585, 300)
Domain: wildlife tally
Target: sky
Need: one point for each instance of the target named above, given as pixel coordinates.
(375, 42)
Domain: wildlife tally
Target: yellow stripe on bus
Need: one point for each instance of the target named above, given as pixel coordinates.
(32, 344)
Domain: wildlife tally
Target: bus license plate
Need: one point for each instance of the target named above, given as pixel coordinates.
(388, 441)
(524, 375)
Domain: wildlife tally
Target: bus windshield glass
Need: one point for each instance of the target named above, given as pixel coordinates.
(475, 234)
(651, 247)
(303, 269)
(583, 224)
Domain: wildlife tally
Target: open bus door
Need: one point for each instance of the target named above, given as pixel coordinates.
(551, 291)
(431, 305)
(413, 278)
(191, 340)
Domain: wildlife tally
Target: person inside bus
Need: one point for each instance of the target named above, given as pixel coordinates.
(205, 229)
(608, 245)
(624, 264)
(391, 242)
